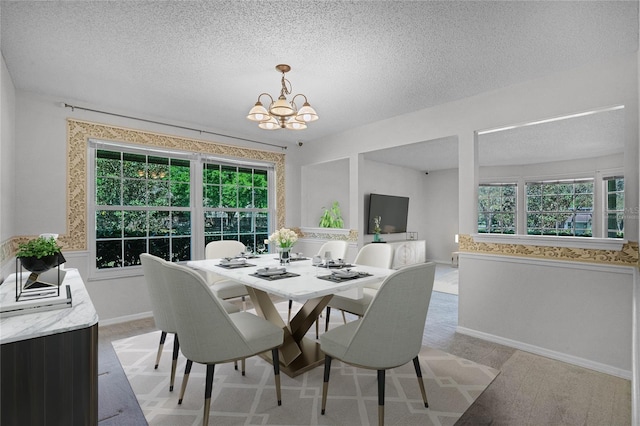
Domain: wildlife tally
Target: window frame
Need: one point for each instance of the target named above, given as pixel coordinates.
(196, 196)
(515, 205)
(557, 212)
(596, 242)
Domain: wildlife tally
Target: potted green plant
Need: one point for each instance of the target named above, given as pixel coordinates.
(332, 218)
(40, 254)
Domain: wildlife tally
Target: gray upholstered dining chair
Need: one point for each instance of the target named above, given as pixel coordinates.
(390, 332)
(209, 335)
(376, 255)
(152, 267)
(338, 250)
(223, 287)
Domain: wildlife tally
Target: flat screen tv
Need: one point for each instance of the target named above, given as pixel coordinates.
(393, 212)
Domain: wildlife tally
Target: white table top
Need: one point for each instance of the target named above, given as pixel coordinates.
(306, 286)
(80, 315)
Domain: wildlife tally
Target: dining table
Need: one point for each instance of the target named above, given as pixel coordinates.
(301, 281)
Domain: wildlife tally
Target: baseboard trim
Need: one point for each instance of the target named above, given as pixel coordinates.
(570, 359)
(125, 318)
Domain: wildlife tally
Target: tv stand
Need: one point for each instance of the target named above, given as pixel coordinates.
(408, 252)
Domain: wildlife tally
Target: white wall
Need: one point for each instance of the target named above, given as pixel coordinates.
(578, 90)
(7, 147)
(322, 184)
(386, 179)
(7, 158)
(440, 214)
(574, 312)
(41, 176)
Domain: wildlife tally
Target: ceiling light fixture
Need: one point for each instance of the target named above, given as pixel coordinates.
(283, 114)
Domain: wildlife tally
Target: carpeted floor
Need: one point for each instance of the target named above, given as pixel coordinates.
(446, 279)
(452, 385)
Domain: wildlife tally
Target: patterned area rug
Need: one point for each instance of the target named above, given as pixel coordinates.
(452, 385)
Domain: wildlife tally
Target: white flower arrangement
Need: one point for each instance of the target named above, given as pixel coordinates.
(283, 238)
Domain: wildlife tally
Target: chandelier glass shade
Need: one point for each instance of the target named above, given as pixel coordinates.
(281, 113)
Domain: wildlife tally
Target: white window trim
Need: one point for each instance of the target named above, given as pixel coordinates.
(197, 220)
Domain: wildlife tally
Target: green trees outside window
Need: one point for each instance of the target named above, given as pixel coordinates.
(145, 203)
(562, 208)
(497, 208)
(142, 205)
(615, 206)
(236, 204)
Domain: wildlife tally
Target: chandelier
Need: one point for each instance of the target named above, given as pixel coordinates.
(283, 114)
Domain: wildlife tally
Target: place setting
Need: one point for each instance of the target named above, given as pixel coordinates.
(272, 274)
(344, 274)
(234, 262)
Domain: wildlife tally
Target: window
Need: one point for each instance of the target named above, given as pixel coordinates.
(560, 208)
(142, 204)
(170, 204)
(614, 191)
(497, 208)
(236, 204)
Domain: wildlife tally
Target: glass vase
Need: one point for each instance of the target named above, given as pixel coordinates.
(284, 254)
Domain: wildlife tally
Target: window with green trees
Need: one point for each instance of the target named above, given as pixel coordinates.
(562, 208)
(497, 208)
(148, 203)
(142, 204)
(614, 187)
(236, 204)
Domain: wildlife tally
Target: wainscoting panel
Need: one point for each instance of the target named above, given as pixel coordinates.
(573, 311)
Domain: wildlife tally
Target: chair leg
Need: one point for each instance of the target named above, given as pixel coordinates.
(381, 397)
(244, 364)
(325, 384)
(207, 394)
(289, 313)
(185, 379)
(344, 317)
(276, 373)
(416, 364)
(244, 303)
(326, 321)
(235, 365)
(317, 328)
(163, 337)
(174, 361)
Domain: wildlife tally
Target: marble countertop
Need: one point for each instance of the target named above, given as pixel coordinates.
(306, 286)
(80, 315)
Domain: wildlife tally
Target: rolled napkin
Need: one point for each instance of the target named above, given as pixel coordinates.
(344, 273)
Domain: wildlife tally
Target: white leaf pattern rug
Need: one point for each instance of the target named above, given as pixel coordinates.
(452, 385)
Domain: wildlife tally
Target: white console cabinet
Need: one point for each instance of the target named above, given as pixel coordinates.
(408, 253)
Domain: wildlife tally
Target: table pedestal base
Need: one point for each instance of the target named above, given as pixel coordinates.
(298, 353)
(310, 357)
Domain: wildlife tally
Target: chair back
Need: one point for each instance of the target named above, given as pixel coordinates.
(338, 249)
(152, 267)
(207, 333)
(223, 248)
(377, 255)
(390, 332)
(218, 250)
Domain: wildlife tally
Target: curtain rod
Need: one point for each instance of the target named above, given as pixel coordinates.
(74, 107)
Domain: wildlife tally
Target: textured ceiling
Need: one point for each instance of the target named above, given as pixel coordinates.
(204, 63)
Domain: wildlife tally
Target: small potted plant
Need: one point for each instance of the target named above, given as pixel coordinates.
(332, 218)
(40, 254)
(376, 228)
